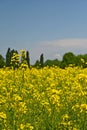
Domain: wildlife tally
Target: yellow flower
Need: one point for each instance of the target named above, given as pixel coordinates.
(17, 97)
(83, 107)
(28, 125)
(22, 126)
(2, 115)
(75, 129)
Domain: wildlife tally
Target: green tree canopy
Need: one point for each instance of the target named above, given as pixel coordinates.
(68, 58)
(54, 62)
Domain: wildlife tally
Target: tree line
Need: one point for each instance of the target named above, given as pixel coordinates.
(13, 59)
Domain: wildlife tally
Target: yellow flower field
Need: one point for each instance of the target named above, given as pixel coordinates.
(43, 99)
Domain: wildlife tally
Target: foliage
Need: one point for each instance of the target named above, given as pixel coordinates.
(9, 55)
(41, 60)
(43, 99)
(23, 56)
(15, 60)
(51, 63)
(2, 61)
(37, 64)
(82, 60)
(68, 58)
(28, 58)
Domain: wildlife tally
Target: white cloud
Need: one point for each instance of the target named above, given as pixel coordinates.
(56, 49)
(66, 42)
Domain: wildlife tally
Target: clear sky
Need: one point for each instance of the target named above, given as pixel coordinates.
(52, 27)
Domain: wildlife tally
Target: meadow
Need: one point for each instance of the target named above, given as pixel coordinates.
(43, 99)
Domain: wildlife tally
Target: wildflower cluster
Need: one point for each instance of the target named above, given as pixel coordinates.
(46, 99)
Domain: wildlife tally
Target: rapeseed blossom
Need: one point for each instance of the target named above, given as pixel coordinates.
(2, 115)
(47, 98)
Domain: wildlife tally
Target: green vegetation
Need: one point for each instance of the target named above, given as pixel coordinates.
(14, 59)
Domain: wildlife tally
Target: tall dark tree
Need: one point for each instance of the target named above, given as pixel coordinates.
(2, 61)
(28, 58)
(8, 57)
(42, 60)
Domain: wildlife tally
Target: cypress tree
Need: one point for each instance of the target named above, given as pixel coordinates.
(41, 60)
(28, 58)
(8, 57)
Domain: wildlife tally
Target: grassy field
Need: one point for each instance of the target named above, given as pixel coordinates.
(43, 99)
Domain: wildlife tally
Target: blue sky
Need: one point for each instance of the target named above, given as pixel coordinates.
(52, 27)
